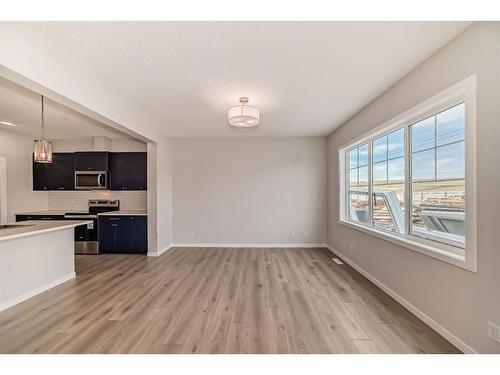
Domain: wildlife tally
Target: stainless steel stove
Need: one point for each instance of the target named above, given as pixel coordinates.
(86, 240)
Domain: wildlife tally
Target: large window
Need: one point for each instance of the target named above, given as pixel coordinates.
(407, 182)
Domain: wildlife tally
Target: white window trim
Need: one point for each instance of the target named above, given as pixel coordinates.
(462, 91)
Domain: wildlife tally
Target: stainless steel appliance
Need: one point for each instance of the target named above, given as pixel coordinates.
(86, 241)
(91, 180)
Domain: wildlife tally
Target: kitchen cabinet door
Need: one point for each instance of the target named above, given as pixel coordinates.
(92, 161)
(58, 175)
(128, 170)
(139, 231)
(107, 234)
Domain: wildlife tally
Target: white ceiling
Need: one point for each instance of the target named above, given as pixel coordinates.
(306, 77)
(22, 107)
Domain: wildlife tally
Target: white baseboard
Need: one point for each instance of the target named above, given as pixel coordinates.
(256, 245)
(159, 252)
(413, 309)
(36, 291)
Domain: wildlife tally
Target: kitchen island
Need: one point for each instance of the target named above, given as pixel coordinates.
(35, 256)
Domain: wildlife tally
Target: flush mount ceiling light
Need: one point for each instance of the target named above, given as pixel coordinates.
(7, 123)
(43, 148)
(243, 115)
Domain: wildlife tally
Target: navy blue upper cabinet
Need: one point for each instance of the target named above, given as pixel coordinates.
(128, 170)
(58, 175)
(92, 161)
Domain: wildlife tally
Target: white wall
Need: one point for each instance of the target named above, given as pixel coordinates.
(460, 301)
(17, 149)
(249, 191)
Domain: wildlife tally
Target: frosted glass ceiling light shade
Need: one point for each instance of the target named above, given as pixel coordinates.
(43, 148)
(243, 115)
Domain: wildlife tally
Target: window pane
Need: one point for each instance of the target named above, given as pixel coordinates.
(358, 207)
(388, 195)
(423, 165)
(380, 173)
(380, 149)
(439, 210)
(396, 144)
(388, 207)
(363, 176)
(353, 158)
(396, 170)
(363, 155)
(451, 161)
(353, 179)
(422, 134)
(451, 125)
(438, 207)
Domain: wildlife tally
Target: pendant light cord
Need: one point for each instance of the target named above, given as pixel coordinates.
(43, 122)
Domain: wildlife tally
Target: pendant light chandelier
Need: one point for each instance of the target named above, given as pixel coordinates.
(43, 148)
(243, 115)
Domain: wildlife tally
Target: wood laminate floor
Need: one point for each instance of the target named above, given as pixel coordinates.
(217, 300)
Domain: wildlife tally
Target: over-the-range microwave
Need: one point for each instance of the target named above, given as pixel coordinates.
(91, 180)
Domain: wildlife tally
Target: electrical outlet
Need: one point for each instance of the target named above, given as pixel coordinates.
(191, 234)
(292, 234)
(494, 332)
(306, 234)
(350, 247)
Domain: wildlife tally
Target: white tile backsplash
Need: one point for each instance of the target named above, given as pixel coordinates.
(78, 200)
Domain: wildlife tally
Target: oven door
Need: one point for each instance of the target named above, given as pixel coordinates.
(85, 235)
(91, 180)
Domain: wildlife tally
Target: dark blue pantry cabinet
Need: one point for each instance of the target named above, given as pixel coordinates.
(123, 234)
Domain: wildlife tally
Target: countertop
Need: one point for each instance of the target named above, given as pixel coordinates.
(38, 227)
(124, 213)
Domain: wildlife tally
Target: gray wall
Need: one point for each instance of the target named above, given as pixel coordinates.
(461, 301)
(250, 191)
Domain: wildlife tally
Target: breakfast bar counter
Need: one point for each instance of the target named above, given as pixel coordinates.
(35, 256)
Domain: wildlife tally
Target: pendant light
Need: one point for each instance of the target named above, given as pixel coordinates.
(43, 148)
(243, 115)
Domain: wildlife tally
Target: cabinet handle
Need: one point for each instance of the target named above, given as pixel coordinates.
(114, 225)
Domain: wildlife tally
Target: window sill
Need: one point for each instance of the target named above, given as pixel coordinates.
(441, 252)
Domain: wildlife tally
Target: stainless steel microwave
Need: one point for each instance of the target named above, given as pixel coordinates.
(91, 180)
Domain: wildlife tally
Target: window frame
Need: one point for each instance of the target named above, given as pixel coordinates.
(448, 251)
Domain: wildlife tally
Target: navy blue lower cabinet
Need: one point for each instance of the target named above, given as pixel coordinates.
(39, 217)
(123, 234)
